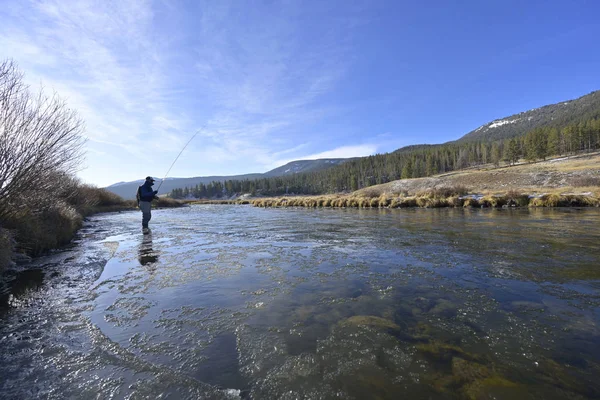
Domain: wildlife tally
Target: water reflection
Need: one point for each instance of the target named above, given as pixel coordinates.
(147, 256)
(267, 304)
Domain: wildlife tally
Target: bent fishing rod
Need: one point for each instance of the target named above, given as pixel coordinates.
(177, 158)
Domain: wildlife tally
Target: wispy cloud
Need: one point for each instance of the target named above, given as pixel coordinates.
(339, 152)
(145, 76)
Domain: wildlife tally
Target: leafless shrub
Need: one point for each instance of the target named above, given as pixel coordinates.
(7, 245)
(166, 202)
(40, 139)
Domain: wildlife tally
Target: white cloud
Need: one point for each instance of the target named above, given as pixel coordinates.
(339, 152)
(145, 76)
(344, 152)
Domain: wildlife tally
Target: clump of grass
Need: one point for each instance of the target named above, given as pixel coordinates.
(431, 202)
(384, 201)
(363, 202)
(40, 230)
(455, 201)
(310, 203)
(342, 202)
(407, 202)
(493, 201)
(470, 202)
(422, 201)
(548, 200)
(516, 198)
(580, 201)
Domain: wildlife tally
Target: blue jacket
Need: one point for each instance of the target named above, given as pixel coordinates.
(146, 193)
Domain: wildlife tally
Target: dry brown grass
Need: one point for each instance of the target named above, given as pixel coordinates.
(585, 181)
(167, 202)
(554, 200)
(493, 201)
(38, 231)
(432, 199)
(550, 176)
(570, 182)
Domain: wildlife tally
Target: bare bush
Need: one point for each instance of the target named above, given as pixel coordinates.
(41, 142)
(7, 245)
(164, 202)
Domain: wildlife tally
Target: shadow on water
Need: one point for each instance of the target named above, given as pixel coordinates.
(18, 283)
(147, 256)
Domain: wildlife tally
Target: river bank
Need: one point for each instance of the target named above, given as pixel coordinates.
(27, 234)
(443, 197)
(437, 198)
(572, 181)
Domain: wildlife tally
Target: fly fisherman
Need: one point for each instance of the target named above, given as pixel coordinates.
(145, 195)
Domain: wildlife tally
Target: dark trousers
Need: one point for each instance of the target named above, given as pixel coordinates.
(146, 207)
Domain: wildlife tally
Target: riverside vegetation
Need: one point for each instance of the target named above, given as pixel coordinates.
(568, 182)
(42, 204)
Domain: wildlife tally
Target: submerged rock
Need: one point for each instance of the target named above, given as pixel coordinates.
(494, 387)
(371, 321)
(444, 351)
(468, 371)
(444, 308)
(473, 380)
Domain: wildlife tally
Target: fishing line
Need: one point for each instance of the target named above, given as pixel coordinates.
(177, 158)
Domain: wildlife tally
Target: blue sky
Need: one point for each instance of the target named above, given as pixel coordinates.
(267, 82)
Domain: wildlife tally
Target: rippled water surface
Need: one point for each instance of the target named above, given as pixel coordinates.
(229, 302)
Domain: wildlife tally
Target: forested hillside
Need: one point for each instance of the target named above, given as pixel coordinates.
(558, 115)
(554, 133)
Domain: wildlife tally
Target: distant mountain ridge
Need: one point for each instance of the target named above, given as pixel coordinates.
(301, 166)
(127, 190)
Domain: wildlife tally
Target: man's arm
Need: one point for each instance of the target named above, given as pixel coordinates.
(147, 193)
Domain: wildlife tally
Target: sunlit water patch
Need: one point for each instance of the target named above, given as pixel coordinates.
(225, 302)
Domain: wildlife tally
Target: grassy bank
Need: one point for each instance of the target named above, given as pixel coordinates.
(564, 182)
(434, 200)
(561, 182)
(213, 201)
(36, 227)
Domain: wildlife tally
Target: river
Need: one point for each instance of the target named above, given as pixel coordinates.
(230, 302)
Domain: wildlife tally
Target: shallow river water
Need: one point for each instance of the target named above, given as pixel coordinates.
(230, 302)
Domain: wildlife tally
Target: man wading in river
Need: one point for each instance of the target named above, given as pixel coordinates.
(145, 195)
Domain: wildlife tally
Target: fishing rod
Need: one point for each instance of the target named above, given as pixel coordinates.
(177, 158)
